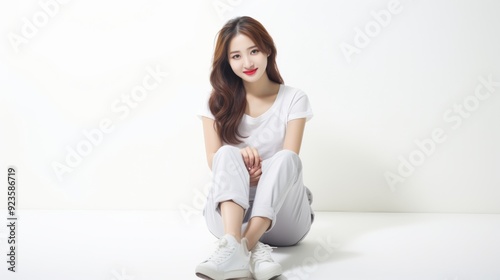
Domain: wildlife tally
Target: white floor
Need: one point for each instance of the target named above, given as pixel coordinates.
(150, 245)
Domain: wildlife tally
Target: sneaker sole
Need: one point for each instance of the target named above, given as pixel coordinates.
(267, 278)
(267, 275)
(203, 276)
(227, 275)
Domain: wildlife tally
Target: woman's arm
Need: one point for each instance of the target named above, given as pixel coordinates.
(293, 135)
(212, 140)
(213, 143)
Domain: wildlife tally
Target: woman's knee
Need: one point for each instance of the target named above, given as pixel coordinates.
(227, 149)
(227, 152)
(287, 157)
(287, 154)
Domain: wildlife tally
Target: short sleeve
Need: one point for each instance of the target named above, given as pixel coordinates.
(204, 110)
(300, 107)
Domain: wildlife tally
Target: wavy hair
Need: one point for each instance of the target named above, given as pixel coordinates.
(228, 97)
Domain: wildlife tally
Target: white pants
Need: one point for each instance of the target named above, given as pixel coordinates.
(280, 195)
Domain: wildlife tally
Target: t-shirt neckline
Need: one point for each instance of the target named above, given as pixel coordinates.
(271, 109)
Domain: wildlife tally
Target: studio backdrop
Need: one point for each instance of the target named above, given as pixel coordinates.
(98, 101)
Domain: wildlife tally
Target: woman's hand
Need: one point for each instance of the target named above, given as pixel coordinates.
(251, 157)
(253, 162)
(255, 174)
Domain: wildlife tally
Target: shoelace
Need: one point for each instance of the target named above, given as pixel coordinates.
(262, 253)
(222, 253)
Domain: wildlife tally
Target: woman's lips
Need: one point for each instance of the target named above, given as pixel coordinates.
(250, 72)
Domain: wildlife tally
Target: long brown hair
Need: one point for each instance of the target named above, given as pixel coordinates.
(228, 98)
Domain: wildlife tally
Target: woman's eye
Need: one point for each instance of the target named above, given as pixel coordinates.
(254, 51)
(236, 56)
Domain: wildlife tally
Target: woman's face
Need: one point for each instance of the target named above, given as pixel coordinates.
(247, 61)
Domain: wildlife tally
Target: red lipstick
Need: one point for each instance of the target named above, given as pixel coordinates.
(250, 72)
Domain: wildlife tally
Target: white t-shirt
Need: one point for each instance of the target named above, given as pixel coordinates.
(266, 132)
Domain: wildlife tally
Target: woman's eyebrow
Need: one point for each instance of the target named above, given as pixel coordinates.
(239, 51)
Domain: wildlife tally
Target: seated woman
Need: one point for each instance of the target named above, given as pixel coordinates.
(253, 126)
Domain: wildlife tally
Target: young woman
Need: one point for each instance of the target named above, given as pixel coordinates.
(253, 126)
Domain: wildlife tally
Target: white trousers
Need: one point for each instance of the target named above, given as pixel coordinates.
(280, 195)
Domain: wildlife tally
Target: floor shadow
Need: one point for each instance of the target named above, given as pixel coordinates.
(308, 255)
(326, 243)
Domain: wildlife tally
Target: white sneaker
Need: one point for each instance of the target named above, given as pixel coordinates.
(262, 264)
(230, 260)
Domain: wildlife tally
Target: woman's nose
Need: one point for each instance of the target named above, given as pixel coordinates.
(248, 63)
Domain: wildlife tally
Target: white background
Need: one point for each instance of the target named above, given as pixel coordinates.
(370, 107)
